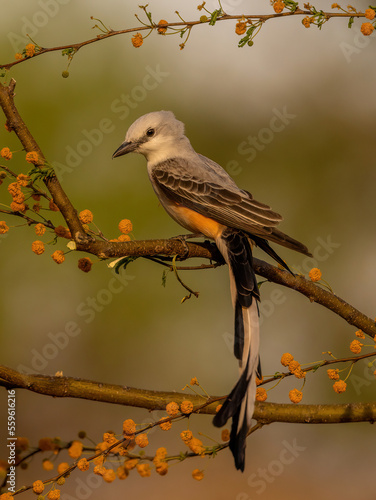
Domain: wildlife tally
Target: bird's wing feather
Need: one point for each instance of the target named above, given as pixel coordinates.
(209, 194)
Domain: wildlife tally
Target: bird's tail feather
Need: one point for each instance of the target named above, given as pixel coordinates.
(239, 405)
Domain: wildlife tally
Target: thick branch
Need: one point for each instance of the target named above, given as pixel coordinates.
(209, 251)
(15, 123)
(104, 249)
(157, 400)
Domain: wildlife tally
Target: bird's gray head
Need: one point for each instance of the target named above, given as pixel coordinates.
(157, 135)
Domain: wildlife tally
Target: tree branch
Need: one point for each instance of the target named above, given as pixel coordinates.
(15, 123)
(185, 25)
(67, 387)
(206, 250)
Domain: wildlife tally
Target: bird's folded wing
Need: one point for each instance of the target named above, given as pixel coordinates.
(227, 205)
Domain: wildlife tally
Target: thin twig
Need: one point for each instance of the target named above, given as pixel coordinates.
(187, 24)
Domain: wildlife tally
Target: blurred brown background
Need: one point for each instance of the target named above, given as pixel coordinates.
(307, 97)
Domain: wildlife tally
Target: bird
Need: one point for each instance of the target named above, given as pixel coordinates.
(202, 197)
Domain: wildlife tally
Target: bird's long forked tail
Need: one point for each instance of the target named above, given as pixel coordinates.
(240, 403)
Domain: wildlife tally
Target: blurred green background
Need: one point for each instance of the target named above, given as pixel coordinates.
(317, 170)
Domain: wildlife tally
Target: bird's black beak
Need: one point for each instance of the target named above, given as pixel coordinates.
(123, 149)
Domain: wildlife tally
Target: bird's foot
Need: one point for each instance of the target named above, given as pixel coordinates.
(183, 239)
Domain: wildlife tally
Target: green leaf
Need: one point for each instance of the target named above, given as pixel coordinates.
(247, 36)
(291, 5)
(351, 21)
(68, 52)
(123, 263)
(46, 172)
(164, 277)
(214, 16)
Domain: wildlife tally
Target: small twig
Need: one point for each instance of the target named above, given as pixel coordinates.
(318, 365)
(196, 294)
(186, 24)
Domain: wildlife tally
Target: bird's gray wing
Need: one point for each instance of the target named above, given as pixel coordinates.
(222, 201)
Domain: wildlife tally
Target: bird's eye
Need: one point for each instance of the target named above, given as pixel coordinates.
(150, 132)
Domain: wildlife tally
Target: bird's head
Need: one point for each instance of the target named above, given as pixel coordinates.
(158, 136)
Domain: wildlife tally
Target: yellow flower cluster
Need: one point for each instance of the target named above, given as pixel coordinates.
(186, 407)
(293, 365)
(85, 264)
(47, 465)
(196, 446)
(3, 227)
(53, 495)
(75, 450)
(40, 229)
(165, 424)
(86, 216)
(83, 464)
(315, 274)
(144, 470)
(306, 22)
(172, 409)
(295, 395)
(137, 40)
(38, 487)
(23, 180)
(225, 435)
(278, 6)
(333, 374)
(58, 256)
(125, 226)
(129, 428)
(47, 444)
(122, 472)
(356, 346)
(186, 436)
(339, 386)
(63, 232)
(159, 461)
(6, 153)
(261, 394)
(142, 440)
(30, 49)
(198, 474)
(193, 443)
(286, 359)
(6, 496)
(162, 28)
(32, 157)
(240, 28)
(37, 247)
(367, 29)
(18, 198)
(109, 475)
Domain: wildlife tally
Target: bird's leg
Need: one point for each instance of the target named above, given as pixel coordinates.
(183, 239)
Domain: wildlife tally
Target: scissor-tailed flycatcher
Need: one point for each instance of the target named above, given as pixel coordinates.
(200, 196)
